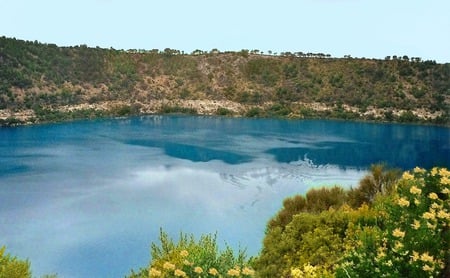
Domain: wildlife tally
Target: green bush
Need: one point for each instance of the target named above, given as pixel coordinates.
(278, 110)
(291, 206)
(321, 199)
(254, 112)
(189, 257)
(380, 180)
(121, 110)
(316, 240)
(166, 109)
(12, 267)
(415, 239)
(221, 111)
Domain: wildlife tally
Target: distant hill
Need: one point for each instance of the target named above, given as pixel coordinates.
(43, 82)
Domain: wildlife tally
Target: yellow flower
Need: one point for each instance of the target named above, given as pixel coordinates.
(416, 224)
(248, 271)
(416, 201)
(441, 264)
(433, 196)
(415, 256)
(446, 190)
(434, 171)
(428, 215)
(154, 272)
(443, 215)
(407, 176)
(419, 170)
(445, 180)
(415, 190)
(436, 206)
(198, 270)
(425, 257)
(184, 253)
(403, 202)
(444, 172)
(427, 268)
(398, 246)
(296, 273)
(186, 262)
(179, 273)
(398, 233)
(233, 272)
(213, 271)
(389, 263)
(380, 253)
(168, 266)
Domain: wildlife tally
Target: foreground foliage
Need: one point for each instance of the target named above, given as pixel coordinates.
(12, 267)
(403, 231)
(415, 238)
(190, 258)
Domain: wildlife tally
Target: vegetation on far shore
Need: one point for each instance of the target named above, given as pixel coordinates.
(392, 224)
(45, 83)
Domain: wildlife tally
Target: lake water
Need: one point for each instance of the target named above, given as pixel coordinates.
(86, 199)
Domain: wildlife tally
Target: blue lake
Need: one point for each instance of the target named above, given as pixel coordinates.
(86, 199)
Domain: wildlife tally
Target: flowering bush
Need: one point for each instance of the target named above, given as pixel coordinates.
(191, 258)
(414, 239)
(310, 271)
(13, 267)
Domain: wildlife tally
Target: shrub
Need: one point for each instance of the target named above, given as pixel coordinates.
(407, 117)
(318, 240)
(221, 111)
(121, 110)
(278, 110)
(415, 241)
(191, 258)
(380, 180)
(291, 206)
(324, 198)
(316, 200)
(12, 267)
(166, 109)
(254, 112)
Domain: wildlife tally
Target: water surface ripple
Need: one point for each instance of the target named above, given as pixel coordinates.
(85, 199)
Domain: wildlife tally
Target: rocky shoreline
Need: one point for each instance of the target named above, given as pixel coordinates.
(212, 107)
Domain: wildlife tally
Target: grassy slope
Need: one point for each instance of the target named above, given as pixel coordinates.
(43, 78)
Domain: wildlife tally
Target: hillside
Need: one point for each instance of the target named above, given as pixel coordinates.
(43, 82)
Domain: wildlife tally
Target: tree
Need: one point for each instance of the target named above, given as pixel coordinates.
(214, 51)
(197, 52)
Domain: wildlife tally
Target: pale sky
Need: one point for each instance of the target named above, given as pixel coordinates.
(360, 28)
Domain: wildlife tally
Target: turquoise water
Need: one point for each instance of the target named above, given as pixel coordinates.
(85, 199)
